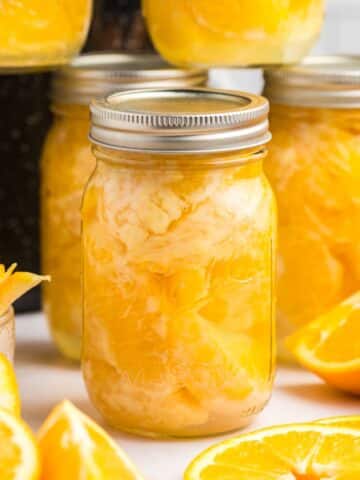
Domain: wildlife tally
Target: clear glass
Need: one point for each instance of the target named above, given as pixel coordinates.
(178, 256)
(233, 33)
(314, 168)
(36, 33)
(7, 333)
(67, 150)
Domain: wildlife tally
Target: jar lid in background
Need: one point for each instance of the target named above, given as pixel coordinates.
(323, 81)
(188, 120)
(95, 75)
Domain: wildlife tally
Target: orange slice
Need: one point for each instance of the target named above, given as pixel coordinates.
(74, 447)
(330, 345)
(349, 421)
(18, 452)
(9, 391)
(14, 284)
(291, 452)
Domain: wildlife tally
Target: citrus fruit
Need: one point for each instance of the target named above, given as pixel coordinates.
(18, 452)
(14, 284)
(73, 447)
(349, 421)
(291, 452)
(9, 392)
(330, 345)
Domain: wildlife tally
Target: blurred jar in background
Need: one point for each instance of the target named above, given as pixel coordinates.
(233, 33)
(314, 168)
(67, 163)
(37, 33)
(179, 228)
(24, 121)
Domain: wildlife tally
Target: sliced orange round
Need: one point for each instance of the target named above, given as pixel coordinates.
(349, 421)
(19, 458)
(330, 345)
(294, 452)
(74, 447)
(14, 284)
(9, 391)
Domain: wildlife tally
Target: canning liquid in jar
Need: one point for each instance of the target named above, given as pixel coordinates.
(179, 234)
(67, 148)
(232, 32)
(314, 168)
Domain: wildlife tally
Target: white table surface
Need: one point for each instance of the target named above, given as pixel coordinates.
(46, 379)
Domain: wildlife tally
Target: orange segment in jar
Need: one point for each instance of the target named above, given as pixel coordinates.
(233, 18)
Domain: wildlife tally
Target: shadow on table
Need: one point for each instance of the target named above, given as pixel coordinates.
(41, 353)
(317, 393)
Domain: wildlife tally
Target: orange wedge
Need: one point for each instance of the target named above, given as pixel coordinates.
(18, 452)
(349, 421)
(74, 447)
(9, 391)
(286, 452)
(14, 284)
(330, 345)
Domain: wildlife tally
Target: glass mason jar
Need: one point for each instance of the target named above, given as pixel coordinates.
(178, 253)
(38, 33)
(314, 168)
(7, 333)
(67, 145)
(233, 33)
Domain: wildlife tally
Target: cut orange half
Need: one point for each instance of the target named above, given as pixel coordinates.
(286, 452)
(349, 421)
(74, 447)
(18, 452)
(330, 345)
(9, 391)
(14, 284)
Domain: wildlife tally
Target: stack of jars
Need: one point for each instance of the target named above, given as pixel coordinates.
(169, 287)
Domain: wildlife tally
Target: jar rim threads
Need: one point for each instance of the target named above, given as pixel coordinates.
(94, 75)
(186, 120)
(331, 81)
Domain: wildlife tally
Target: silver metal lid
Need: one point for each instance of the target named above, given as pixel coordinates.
(328, 81)
(95, 75)
(186, 120)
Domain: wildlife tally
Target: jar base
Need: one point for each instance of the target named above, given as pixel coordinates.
(37, 62)
(214, 427)
(246, 421)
